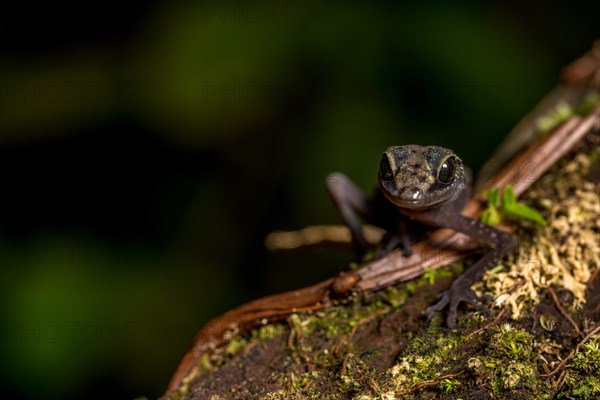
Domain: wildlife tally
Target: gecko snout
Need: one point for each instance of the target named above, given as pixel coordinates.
(410, 193)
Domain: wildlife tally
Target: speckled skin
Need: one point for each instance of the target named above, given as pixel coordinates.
(409, 176)
(420, 185)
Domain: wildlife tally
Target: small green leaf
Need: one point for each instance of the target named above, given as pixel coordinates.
(493, 197)
(496, 269)
(508, 197)
(512, 208)
(519, 210)
(491, 216)
(429, 275)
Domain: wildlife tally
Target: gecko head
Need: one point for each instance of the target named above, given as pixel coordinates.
(419, 177)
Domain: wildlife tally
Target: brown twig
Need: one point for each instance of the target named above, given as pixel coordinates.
(561, 379)
(586, 338)
(572, 354)
(430, 382)
(562, 310)
(476, 332)
(295, 333)
(547, 370)
(345, 363)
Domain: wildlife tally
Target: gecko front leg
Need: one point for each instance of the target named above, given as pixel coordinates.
(460, 291)
(354, 207)
(351, 203)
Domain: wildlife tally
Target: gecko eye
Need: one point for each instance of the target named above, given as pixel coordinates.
(385, 170)
(447, 170)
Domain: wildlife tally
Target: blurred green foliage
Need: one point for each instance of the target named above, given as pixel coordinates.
(202, 126)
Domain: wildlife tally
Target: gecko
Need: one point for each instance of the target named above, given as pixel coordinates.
(420, 187)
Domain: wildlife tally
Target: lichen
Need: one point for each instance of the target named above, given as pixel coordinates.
(565, 253)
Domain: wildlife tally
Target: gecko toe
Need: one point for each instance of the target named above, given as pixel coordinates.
(452, 298)
(451, 319)
(482, 308)
(486, 298)
(444, 299)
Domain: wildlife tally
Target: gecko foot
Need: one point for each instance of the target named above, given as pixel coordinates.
(459, 292)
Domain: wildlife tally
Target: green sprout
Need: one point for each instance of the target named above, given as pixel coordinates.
(448, 385)
(507, 205)
(429, 275)
(491, 215)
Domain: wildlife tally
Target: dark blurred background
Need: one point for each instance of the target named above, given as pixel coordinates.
(146, 151)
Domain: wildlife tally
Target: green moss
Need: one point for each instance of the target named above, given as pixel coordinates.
(439, 360)
(434, 274)
(508, 364)
(396, 297)
(510, 342)
(427, 357)
(236, 345)
(206, 363)
(354, 375)
(583, 379)
(268, 332)
(401, 293)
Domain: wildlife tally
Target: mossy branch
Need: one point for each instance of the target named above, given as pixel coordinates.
(357, 336)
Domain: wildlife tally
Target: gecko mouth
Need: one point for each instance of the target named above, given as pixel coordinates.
(415, 198)
(412, 198)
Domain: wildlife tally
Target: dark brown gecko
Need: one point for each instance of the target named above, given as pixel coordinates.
(420, 185)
